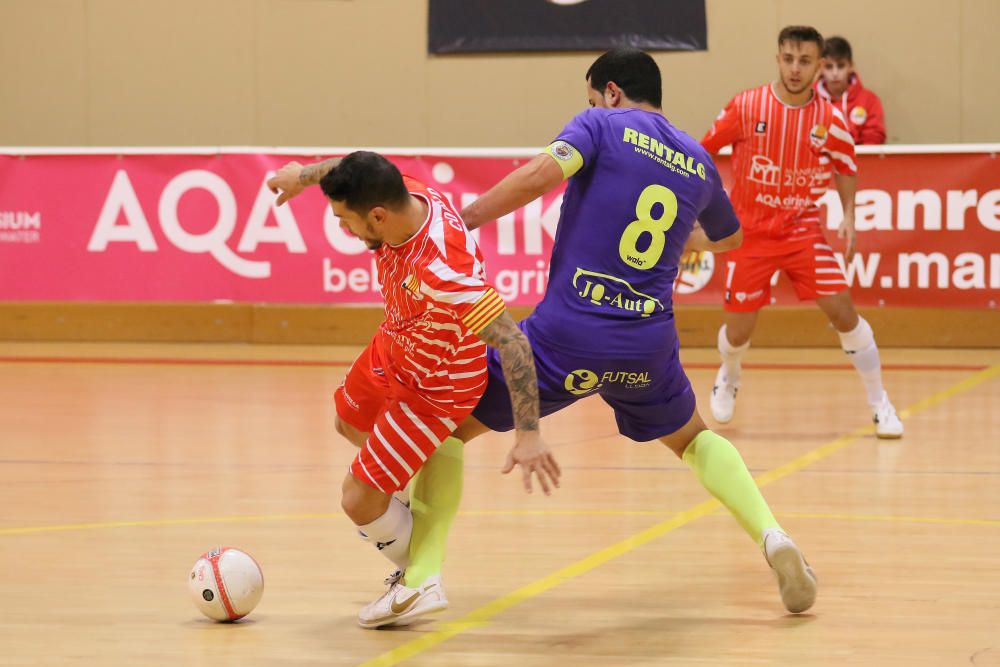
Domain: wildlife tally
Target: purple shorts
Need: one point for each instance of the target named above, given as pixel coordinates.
(651, 396)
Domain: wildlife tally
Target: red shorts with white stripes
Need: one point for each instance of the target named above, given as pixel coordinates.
(809, 264)
(403, 429)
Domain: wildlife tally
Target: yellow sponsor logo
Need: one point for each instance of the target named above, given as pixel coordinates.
(673, 159)
(580, 381)
(619, 294)
(583, 381)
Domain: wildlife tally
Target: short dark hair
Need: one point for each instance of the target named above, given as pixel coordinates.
(364, 180)
(800, 33)
(635, 72)
(838, 48)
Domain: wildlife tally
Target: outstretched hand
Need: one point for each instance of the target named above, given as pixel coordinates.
(533, 455)
(286, 183)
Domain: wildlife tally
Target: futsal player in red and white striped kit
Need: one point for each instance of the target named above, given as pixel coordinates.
(425, 369)
(789, 147)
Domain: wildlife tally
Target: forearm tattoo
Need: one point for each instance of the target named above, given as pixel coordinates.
(313, 173)
(518, 368)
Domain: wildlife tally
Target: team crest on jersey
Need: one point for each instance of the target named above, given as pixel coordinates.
(858, 115)
(817, 135)
(562, 150)
(760, 127)
(412, 285)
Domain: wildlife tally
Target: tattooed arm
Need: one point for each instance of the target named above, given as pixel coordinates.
(530, 451)
(294, 177)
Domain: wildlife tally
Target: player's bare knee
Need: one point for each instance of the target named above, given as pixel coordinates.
(469, 429)
(679, 440)
(737, 338)
(739, 328)
(839, 309)
(843, 319)
(354, 507)
(361, 503)
(353, 435)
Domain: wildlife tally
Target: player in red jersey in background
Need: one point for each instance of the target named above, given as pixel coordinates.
(841, 86)
(788, 145)
(425, 369)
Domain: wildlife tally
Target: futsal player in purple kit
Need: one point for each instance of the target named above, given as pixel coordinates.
(637, 187)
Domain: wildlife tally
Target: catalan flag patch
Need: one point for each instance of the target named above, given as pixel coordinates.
(489, 307)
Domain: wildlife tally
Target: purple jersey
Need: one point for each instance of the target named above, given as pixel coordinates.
(624, 220)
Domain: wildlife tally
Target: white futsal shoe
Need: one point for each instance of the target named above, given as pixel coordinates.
(723, 401)
(400, 605)
(796, 580)
(887, 423)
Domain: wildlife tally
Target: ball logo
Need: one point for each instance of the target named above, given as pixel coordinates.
(580, 381)
(858, 115)
(817, 135)
(696, 271)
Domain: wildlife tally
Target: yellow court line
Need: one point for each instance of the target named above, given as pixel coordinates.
(482, 615)
(567, 512)
(164, 522)
(582, 513)
(193, 521)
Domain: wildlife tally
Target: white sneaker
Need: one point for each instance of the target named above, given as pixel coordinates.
(796, 580)
(887, 422)
(400, 604)
(723, 401)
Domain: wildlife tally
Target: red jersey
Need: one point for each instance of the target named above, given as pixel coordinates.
(784, 158)
(436, 302)
(861, 107)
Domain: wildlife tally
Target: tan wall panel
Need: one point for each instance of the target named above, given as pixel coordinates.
(43, 73)
(178, 72)
(312, 325)
(980, 72)
(356, 72)
(741, 42)
(503, 100)
(164, 322)
(697, 325)
(336, 73)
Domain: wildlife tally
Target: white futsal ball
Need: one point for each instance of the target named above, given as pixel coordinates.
(226, 584)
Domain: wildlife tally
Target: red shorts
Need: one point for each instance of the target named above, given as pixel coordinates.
(811, 266)
(402, 429)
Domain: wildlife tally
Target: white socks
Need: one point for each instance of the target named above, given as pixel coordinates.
(859, 344)
(390, 533)
(731, 357)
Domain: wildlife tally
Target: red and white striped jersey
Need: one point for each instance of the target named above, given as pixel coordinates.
(436, 302)
(783, 161)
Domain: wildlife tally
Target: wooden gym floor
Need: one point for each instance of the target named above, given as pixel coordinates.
(120, 464)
